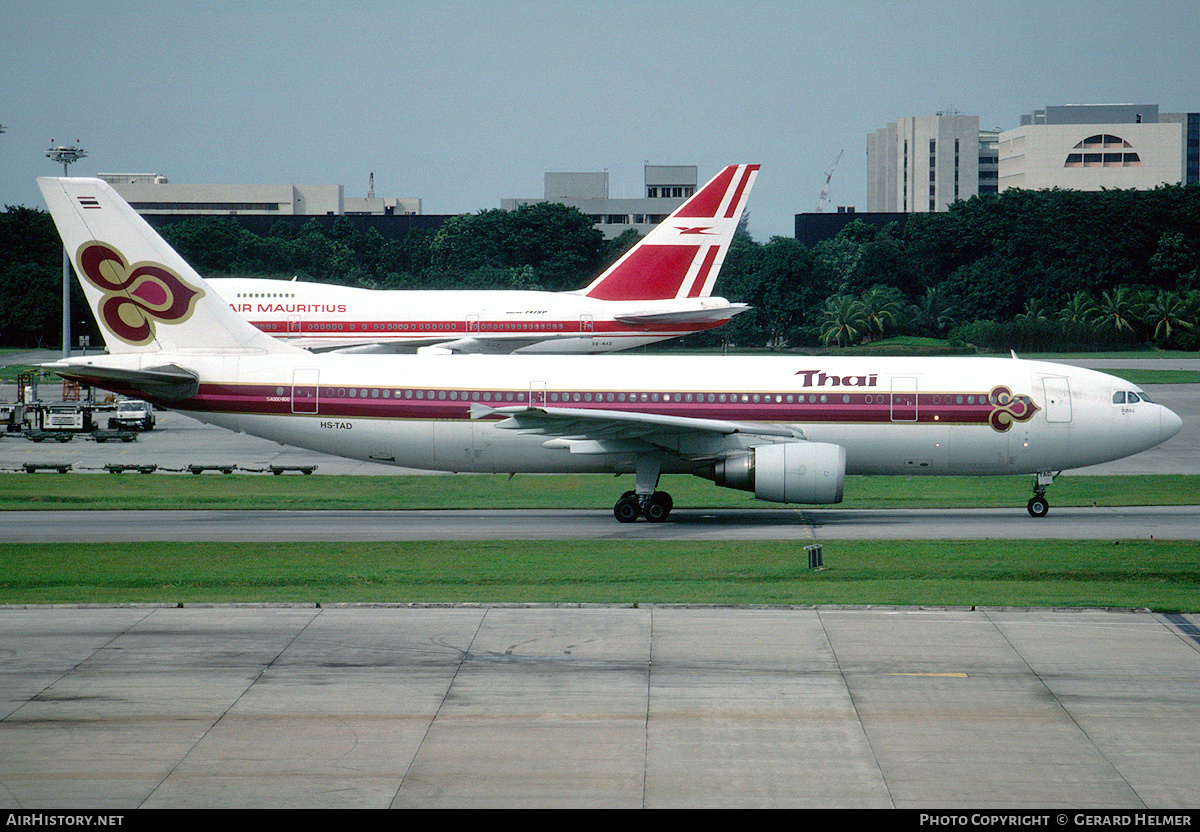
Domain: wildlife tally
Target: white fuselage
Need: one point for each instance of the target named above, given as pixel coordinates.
(324, 317)
(970, 416)
(786, 428)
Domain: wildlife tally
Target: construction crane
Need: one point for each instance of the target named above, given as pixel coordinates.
(828, 175)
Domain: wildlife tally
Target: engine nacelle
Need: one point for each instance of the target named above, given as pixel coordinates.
(792, 472)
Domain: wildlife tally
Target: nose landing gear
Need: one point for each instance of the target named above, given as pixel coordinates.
(1038, 505)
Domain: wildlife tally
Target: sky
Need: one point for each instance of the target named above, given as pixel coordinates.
(466, 103)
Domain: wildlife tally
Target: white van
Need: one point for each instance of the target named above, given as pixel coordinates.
(133, 414)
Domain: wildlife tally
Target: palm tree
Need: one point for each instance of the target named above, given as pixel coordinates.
(1035, 310)
(933, 313)
(880, 308)
(1080, 309)
(1167, 313)
(1117, 310)
(842, 320)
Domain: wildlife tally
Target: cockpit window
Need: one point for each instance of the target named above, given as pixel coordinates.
(1129, 397)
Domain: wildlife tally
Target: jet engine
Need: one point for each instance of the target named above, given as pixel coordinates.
(792, 472)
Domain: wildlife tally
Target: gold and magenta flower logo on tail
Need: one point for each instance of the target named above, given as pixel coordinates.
(1007, 408)
(135, 296)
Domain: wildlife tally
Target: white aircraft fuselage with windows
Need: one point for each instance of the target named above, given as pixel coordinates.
(787, 429)
(323, 317)
(661, 288)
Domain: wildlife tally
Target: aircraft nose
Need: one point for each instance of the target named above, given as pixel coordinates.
(1169, 423)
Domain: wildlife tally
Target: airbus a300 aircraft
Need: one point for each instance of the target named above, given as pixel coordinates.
(659, 289)
(787, 429)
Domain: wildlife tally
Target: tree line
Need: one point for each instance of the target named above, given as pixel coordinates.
(1050, 270)
(1026, 270)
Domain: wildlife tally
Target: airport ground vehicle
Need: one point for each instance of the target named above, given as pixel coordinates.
(133, 414)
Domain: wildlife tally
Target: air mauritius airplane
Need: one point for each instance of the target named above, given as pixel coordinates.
(787, 429)
(659, 289)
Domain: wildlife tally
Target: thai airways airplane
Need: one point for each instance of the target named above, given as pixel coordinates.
(659, 289)
(787, 429)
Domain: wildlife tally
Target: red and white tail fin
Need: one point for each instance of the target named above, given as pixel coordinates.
(680, 258)
(145, 297)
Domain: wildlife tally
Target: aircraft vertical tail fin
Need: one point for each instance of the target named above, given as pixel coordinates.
(146, 298)
(681, 256)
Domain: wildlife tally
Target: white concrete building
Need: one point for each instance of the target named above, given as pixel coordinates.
(1092, 147)
(919, 164)
(154, 194)
(666, 188)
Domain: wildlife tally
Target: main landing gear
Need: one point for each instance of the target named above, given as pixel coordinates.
(654, 507)
(645, 500)
(1038, 505)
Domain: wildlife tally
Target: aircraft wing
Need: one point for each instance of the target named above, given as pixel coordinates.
(366, 343)
(583, 431)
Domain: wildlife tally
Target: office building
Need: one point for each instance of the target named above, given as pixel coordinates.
(921, 164)
(153, 195)
(1100, 146)
(665, 189)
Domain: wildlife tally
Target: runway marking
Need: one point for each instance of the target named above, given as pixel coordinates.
(1184, 626)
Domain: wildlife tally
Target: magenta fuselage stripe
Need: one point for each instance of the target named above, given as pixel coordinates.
(336, 401)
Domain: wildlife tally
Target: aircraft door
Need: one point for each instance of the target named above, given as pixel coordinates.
(293, 325)
(904, 399)
(472, 324)
(587, 326)
(537, 394)
(304, 390)
(1058, 398)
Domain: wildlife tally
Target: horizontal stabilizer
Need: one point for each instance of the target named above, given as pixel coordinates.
(685, 316)
(169, 383)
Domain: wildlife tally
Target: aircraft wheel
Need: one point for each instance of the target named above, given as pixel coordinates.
(1038, 507)
(627, 509)
(658, 507)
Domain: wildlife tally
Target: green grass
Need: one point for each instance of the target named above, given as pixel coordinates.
(1142, 377)
(10, 373)
(51, 491)
(1158, 575)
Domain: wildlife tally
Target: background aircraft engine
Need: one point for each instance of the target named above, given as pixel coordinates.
(793, 472)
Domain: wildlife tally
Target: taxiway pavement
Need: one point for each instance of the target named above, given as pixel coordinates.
(598, 707)
(752, 523)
